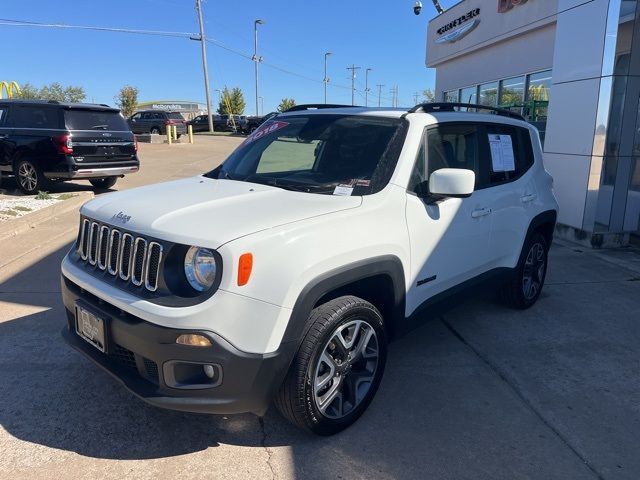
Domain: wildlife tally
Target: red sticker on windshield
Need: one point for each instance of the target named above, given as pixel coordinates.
(265, 129)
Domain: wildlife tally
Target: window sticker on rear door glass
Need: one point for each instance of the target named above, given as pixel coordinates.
(502, 157)
(265, 129)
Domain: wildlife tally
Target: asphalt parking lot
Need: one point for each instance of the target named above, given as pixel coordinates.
(482, 392)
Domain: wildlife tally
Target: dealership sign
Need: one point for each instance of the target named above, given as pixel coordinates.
(506, 5)
(458, 28)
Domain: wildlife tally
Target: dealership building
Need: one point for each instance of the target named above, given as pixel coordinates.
(572, 68)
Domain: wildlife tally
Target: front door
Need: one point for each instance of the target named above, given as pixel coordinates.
(450, 238)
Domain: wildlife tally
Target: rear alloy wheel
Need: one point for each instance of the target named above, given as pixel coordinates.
(524, 289)
(155, 131)
(337, 369)
(103, 183)
(29, 177)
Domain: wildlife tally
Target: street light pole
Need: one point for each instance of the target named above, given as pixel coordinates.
(326, 79)
(366, 86)
(204, 64)
(256, 58)
(261, 106)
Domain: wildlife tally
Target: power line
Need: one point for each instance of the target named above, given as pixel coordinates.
(353, 69)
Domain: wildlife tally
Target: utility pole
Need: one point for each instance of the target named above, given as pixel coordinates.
(393, 91)
(204, 63)
(256, 58)
(379, 92)
(326, 79)
(353, 69)
(366, 86)
(415, 98)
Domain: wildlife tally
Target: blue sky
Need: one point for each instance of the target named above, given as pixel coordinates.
(384, 35)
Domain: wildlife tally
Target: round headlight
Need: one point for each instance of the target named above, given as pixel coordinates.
(200, 268)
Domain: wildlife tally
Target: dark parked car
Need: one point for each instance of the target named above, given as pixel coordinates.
(254, 122)
(47, 141)
(157, 121)
(221, 123)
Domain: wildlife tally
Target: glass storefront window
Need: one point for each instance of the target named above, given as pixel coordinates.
(539, 86)
(468, 95)
(489, 94)
(451, 96)
(512, 91)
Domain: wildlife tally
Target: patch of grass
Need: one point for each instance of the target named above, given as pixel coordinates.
(22, 209)
(43, 196)
(65, 196)
(11, 213)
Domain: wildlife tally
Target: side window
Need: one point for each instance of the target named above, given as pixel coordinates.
(137, 116)
(147, 116)
(510, 153)
(159, 116)
(35, 117)
(3, 115)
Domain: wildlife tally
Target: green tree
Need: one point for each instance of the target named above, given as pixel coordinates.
(127, 100)
(286, 104)
(53, 91)
(231, 102)
(428, 95)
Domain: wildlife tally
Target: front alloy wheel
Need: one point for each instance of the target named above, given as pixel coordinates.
(346, 368)
(338, 367)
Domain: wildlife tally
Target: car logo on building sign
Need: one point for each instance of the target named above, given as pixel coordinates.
(461, 32)
(121, 217)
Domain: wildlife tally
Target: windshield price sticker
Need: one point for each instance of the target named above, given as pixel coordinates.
(502, 157)
(265, 129)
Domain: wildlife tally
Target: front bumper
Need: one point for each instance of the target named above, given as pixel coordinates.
(141, 355)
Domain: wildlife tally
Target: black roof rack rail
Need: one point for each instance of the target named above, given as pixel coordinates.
(316, 106)
(451, 107)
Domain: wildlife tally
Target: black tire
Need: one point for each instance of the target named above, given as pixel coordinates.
(300, 398)
(154, 131)
(103, 183)
(525, 286)
(29, 177)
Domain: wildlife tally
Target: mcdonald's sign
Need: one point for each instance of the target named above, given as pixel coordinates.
(10, 88)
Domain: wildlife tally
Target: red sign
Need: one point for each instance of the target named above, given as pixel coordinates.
(506, 5)
(265, 129)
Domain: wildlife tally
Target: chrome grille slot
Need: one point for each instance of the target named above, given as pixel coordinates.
(84, 239)
(124, 266)
(103, 245)
(114, 251)
(139, 257)
(152, 266)
(93, 243)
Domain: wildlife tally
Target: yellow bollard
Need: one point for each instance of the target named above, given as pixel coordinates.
(190, 131)
(175, 133)
(169, 135)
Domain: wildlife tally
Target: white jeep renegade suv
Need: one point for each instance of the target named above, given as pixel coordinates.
(282, 274)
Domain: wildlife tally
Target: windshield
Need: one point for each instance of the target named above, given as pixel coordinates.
(331, 154)
(95, 120)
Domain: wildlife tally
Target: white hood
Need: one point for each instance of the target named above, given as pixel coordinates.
(208, 213)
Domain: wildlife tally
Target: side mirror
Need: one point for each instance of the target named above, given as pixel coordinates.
(452, 182)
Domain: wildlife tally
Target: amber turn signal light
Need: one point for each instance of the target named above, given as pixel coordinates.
(245, 264)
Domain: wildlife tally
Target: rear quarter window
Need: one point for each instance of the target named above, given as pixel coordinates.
(94, 120)
(175, 116)
(24, 116)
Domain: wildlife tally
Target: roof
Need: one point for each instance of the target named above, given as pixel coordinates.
(32, 101)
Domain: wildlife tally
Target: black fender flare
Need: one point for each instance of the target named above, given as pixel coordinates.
(546, 217)
(386, 265)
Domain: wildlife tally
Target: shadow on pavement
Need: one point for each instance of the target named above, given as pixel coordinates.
(8, 186)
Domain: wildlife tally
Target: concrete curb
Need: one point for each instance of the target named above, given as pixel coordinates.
(20, 225)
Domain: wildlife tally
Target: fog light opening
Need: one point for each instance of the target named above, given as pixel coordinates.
(209, 371)
(194, 340)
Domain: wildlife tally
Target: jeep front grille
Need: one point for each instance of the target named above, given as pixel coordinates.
(120, 254)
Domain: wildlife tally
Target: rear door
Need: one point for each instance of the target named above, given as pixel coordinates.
(135, 123)
(99, 136)
(513, 190)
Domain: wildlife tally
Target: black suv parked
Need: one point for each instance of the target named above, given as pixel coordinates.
(47, 141)
(156, 121)
(254, 122)
(221, 123)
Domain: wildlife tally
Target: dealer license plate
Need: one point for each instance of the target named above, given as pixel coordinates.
(90, 327)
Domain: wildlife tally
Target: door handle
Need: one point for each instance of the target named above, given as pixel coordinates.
(528, 198)
(480, 212)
